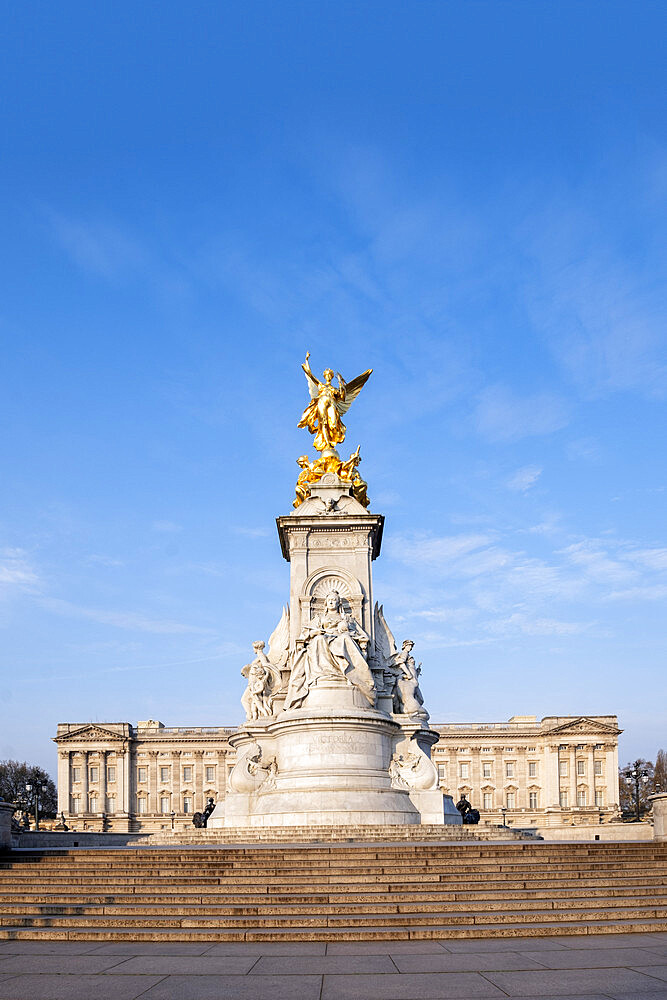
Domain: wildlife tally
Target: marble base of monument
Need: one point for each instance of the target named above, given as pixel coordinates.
(327, 763)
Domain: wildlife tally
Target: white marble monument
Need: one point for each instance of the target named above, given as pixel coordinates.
(336, 729)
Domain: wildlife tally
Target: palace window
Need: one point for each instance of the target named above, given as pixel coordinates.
(487, 800)
(187, 773)
(92, 803)
(597, 767)
(165, 804)
(142, 804)
(164, 774)
(94, 772)
(581, 768)
(142, 774)
(486, 769)
(210, 774)
(111, 773)
(187, 804)
(76, 774)
(581, 798)
(563, 800)
(510, 800)
(509, 769)
(532, 800)
(111, 803)
(75, 805)
(599, 797)
(464, 769)
(442, 773)
(562, 769)
(532, 768)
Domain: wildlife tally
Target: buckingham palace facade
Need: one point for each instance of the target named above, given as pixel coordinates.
(524, 772)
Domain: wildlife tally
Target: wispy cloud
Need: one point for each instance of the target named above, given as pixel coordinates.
(601, 309)
(109, 562)
(129, 620)
(501, 415)
(102, 248)
(166, 527)
(524, 478)
(251, 531)
(16, 571)
(489, 585)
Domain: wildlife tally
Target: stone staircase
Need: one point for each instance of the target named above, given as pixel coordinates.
(334, 892)
(331, 833)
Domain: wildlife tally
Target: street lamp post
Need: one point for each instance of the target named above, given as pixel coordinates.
(36, 788)
(637, 775)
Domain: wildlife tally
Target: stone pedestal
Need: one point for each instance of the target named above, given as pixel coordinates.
(6, 813)
(327, 763)
(659, 803)
(332, 752)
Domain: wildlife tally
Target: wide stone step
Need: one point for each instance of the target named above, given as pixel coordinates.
(287, 921)
(332, 892)
(340, 933)
(378, 894)
(379, 885)
(270, 908)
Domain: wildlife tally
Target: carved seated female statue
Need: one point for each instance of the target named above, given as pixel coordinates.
(330, 645)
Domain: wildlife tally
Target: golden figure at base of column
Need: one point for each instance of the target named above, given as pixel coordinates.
(312, 472)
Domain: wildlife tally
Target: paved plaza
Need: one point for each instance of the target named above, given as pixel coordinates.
(597, 967)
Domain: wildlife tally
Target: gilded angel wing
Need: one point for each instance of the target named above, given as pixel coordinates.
(352, 390)
(385, 644)
(279, 641)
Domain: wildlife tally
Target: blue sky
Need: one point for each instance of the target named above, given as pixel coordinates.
(469, 198)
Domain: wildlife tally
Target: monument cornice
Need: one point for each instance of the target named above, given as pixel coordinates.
(330, 523)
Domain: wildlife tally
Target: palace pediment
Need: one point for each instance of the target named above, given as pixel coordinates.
(584, 725)
(90, 734)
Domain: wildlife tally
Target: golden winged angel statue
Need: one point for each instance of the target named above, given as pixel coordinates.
(328, 403)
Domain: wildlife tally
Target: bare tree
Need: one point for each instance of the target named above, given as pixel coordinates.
(660, 772)
(15, 775)
(636, 784)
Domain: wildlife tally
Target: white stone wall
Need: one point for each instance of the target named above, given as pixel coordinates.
(517, 742)
(564, 754)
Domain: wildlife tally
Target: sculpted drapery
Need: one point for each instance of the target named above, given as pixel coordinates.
(328, 403)
(330, 645)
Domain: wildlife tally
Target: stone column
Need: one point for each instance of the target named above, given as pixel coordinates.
(659, 804)
(6, 813)
(572, 795)
(152, 781)
(84, 782)
(198, 782)
(521, 779)
(64, 781)
(590, 763)
(121, 807)
(128, 784)
(612, 779)
(176, 781)
(103, 780)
